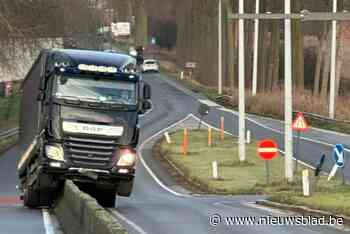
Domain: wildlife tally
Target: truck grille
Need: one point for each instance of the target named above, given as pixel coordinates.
(89, 152)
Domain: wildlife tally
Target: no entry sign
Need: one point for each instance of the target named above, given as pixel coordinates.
(267, 149)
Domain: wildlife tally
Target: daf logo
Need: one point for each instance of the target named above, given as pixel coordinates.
(92, 129)
(90, 155)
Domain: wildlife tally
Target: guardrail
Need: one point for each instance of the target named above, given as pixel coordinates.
(9, 133)
(226, 100)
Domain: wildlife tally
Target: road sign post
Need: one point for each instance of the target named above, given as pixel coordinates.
(267, 150)
(299, 125)
(268, 172)
(203, 111)
(318, 170)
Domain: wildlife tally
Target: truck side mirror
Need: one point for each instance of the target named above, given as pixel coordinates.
(147, 92)
(146, 105)
(40, 97)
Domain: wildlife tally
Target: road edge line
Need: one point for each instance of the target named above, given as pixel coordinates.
(278, 131)
(222, 108)
(127, 221)
(48, 225)
(149, 170)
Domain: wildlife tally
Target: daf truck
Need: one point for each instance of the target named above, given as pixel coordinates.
(79, 120)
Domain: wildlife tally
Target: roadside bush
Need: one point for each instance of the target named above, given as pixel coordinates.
(9, 111)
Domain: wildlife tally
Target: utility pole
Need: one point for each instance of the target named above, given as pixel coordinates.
(256, 45)
(241, 70)
(288, 102)
(333, 64)
(220, 47)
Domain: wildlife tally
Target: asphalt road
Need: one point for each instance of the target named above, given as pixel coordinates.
(153, 209)
(14, 218)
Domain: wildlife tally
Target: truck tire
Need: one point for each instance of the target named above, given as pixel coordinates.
(31, 198)
(43, 193)
(34, 198)
(106, 198)
(125, 188)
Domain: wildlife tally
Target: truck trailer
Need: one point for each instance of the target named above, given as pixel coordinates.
(79, 120)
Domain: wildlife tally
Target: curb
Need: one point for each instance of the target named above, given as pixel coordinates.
(301, 209)
(77, 212)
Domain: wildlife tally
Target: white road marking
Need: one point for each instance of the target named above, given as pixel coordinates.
(128, 221)
(255, 206)
(277, 131)
(268, 209)
(149, 169)
(222, 108)
(48, 224)
(208, 102)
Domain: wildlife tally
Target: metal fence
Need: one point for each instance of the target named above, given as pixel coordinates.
(8, 133)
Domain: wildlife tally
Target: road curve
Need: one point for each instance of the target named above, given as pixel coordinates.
(152, 209)
(14, 218)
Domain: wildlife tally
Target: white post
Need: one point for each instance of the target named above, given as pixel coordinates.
(288, 140)
(248, 137)
(220, 49)
(256, 45)
(333, 64)
(241, 140)
(167, 137)
(181, 75)
(306, 183)
(215, 170)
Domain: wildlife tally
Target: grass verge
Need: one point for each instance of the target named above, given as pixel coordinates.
(7, 143)
(249, 177)
(9, 111)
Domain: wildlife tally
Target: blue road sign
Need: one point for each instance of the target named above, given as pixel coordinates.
(338, 155)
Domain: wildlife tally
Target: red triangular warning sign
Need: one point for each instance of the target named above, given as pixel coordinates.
(300, 123)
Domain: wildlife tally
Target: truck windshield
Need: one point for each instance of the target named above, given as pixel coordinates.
(99, 90)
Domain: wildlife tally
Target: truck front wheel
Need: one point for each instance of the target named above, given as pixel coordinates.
(106, 197)
(31, 198)
(125, 188)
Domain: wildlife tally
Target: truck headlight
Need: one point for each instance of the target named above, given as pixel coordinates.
(54, 152)
(127, 158)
